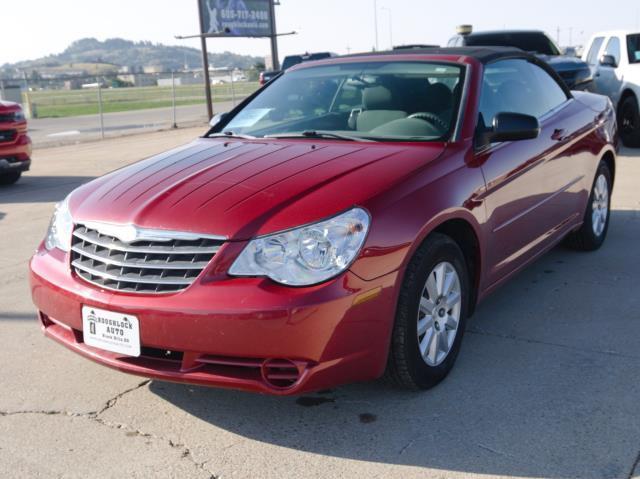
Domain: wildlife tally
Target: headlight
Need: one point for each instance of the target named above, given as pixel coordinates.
(18, 116)
(307, 255)
(60, 228)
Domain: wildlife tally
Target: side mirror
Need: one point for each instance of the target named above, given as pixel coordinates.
(512, 127)
(608, 61)
(217, 119)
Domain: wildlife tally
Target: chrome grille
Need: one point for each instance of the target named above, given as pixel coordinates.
(154, 262)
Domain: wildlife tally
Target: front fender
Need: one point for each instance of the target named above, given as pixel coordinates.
(402, 219)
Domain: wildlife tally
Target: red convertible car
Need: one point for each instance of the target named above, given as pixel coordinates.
(340, 224)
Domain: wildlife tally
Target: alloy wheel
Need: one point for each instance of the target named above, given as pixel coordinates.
(600, 206)
(439, 313)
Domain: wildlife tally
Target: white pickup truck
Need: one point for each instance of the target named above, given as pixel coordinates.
(614, 58)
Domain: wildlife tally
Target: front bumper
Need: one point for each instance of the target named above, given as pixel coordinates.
(241, 333)
(7, 165)
(15, 155)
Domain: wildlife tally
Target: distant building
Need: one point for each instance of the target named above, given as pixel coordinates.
(10, 92)
(153, 69)
(46, 74)
(138, 79)
(74, 84)
(128, 69)
(180, 80)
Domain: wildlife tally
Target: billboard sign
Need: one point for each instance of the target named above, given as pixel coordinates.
(236, 18)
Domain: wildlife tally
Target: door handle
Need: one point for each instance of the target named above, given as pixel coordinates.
(559, 134)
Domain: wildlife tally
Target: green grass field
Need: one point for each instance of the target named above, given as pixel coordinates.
(65, 103)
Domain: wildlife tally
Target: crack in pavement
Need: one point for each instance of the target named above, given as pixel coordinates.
(43, 412)
(94, 416)
(512, 337)
(112, 402)
(406, 446)
(634, 467)
(185, 451)
(493, 451)
(91, 414)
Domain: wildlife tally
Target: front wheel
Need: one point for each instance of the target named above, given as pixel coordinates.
(10, 178)
(595, 226)
(431, 316)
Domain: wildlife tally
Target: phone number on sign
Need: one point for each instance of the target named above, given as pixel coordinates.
(245, 15)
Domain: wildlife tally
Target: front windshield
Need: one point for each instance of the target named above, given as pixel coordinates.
(633, 45)
(362, 101)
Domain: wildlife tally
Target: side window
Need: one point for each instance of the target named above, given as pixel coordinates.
(592, 56)
(517, 86)
(551, 95)
(614, 49)
(633, 46)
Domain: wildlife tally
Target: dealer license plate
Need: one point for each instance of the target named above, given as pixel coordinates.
(115, 332)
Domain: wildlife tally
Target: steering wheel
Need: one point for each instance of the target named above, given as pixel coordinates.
(430, 118)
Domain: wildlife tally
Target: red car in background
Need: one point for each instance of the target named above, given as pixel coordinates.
(342, 222)
(15, 144)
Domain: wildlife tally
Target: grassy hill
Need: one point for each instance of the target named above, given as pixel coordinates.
(89, 54)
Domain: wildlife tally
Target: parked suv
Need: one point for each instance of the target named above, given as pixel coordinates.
(614, 58)
(573, 71)
(15, 144)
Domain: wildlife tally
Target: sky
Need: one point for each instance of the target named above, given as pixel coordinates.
(34, 28)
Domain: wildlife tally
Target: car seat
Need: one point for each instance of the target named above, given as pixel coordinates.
(378, 109)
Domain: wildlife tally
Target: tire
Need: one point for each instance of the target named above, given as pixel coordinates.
(595, 226)
(10, 178)
(629, 122)
(406, 365)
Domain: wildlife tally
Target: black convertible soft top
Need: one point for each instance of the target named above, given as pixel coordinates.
(482, 54)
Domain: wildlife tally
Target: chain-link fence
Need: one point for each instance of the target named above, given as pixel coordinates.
(115, 104)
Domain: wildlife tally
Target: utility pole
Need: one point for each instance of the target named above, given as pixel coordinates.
(173, 99)
(205, 64)
(100, 109)
(571, 36)
(375, 21)
(388, 10)
(274, 36)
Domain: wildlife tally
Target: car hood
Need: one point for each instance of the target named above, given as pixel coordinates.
(240, 189)
(563, 63)
(8, 106)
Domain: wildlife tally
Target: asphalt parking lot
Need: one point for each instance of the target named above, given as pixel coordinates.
(547, 383)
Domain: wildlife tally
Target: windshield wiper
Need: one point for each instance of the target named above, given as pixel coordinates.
(231, 134)
(318, 134)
